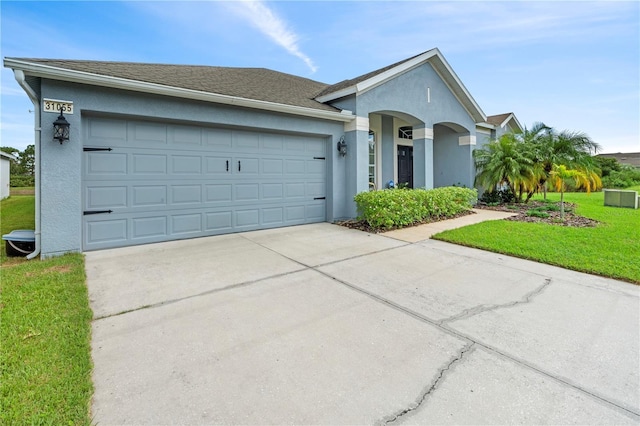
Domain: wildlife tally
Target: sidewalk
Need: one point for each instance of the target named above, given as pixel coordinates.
(424, 232)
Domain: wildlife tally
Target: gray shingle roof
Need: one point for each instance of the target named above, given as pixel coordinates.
(250, 83)
(352, 82)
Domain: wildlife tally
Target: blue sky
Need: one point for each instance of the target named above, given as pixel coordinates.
(572, 65)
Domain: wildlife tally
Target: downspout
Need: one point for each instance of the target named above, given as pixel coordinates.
(20, 78)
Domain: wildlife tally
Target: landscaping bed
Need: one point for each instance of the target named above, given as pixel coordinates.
(543, 212)
(363, 225)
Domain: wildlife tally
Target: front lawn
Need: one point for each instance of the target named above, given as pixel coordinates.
(45, 331)
(611, 249)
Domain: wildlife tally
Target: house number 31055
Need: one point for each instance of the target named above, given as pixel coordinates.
(52, 105)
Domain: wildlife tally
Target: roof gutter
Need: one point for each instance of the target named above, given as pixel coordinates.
(20, 78)
(55, 73)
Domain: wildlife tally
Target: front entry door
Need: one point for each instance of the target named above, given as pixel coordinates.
(405, 165)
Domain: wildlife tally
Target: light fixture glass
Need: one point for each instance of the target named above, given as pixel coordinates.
(61, 128)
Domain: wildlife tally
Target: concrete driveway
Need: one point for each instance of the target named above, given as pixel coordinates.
(320, 324)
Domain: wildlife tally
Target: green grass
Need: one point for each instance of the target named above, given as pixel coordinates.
(611, 249)
(45, 331)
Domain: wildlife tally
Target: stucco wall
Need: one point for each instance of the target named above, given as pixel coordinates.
(405, 99)
(407, 93)
(62, 164)
(452, 161)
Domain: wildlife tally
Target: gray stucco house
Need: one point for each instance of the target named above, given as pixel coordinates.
(165, 152)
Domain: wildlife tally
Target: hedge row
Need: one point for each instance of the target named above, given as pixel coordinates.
(393, 208)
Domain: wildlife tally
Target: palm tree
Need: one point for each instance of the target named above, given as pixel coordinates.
(582, 178)
(505, 161)
(573, 149)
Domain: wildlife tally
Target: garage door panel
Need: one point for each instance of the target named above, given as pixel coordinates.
(97, 163)
(186, 223)
(272, 143)
(219, 221)
(146, 133)
(186, 194)
(271, 191)
(185, 135)
(247, 192)
(294, 167)
(146, 164)
(246, 141)
(244, 166)
(272, 166)
(315, 189)
(99, 197)
(106, 231)
(219, 139)
(247, 218)
(273, 215)
(149, 196)
(106, 131)
(315, 212)
(146, 227)
(165, 182)
(186, 164)
(217, 165)
(315, 168)
(218, 193)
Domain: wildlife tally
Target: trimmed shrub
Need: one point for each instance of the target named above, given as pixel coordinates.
(22, 180)
(394, 208)
(498, 196)
(624, 178)
(537, 213)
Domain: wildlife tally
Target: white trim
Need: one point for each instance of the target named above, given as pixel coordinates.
(393, 72)
(485, 126)
(483, 131)
(467, 140)
(337, 95)
(360, 123)
(423, 133)
(46, 71)
(7, 156)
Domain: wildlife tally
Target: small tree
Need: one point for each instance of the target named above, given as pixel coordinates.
(583, 179)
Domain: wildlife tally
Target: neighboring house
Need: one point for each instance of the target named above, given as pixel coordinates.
(165, 152)
(5, 174)
(629, 158)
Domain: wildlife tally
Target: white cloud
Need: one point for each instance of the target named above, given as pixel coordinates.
(270, 24)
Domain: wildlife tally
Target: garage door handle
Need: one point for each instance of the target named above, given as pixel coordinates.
(239, 166)
(227, 165)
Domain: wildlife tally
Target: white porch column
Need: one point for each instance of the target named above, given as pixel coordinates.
(422, 157)
(356, 135)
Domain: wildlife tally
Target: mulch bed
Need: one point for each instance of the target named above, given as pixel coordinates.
(570, 218)
(361, 225)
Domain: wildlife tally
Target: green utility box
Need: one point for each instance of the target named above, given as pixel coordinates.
(621, 198)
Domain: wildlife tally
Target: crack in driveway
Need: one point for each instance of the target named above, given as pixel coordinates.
(467, 313)
(431, 387)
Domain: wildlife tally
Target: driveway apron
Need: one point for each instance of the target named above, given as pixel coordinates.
(319, 324)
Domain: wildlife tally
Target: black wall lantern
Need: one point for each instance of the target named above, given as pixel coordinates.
(61, 127)
(342, 146)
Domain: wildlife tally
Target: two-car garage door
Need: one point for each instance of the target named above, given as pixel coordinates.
(147, 182)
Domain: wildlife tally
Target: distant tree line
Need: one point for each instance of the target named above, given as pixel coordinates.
(22, 170)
